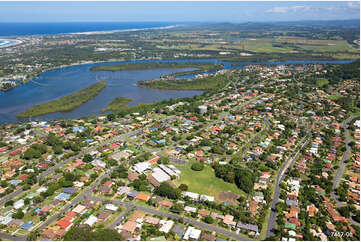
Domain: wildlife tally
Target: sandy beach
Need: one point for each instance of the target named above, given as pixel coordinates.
(9, 42)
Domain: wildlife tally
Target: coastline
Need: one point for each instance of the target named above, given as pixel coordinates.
(122, 30)
(5, 43)
(14, 37)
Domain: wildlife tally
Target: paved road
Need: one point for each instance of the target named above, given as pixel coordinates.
(346, 155)
(267, 125)
(38, 132)
(338, 177)
(10, 196)
(61, 164)
(173, 216)
(12, 237)
(290, 161)
(80, 197)
(52, 169)
(41, 176)
(120, 218)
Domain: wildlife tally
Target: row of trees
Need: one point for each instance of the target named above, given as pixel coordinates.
(85, 233)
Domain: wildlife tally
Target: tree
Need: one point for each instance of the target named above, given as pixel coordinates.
(183, 187)
(31, 153)
(111, 117)
(87, 158)
(33, 236)
(163, 160)
(85, 233)
(244, 180)
(344, 211)
(19, 214)
(166, 190)
(208, 219)
(27, 201)
(225, 172)
(58, 149)
(177, 208)
(39, 147)
(140, 184)
(69, 176)
(197, 166)
(53, 140)
(9, 203)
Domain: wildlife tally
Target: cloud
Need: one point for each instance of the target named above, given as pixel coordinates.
(353, 4)
(287, 9)
(277, 10)
(344, 8)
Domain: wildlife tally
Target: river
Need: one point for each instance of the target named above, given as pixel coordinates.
(59, 82)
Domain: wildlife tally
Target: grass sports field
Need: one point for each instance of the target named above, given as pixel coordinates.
(321, 82)
(205, 182)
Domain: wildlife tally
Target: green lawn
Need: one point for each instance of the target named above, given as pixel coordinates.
(321, 82)
(334, 97)
(205, 182)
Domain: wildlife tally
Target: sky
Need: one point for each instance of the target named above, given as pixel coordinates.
(203, 11)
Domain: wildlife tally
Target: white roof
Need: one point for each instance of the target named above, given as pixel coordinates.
(292, 233)
(18, 204)
(357, 123)
(190, 209)
(98, 163)
(111, 207)
(192, 233)
(207, 198)
(78, 184)
(166, 225)
(141, 167)
(41, 189)
(191, 195)
(91, 220)
(123, 189)
(93, 152)
(5, 220)
(79, 209)
(160, 175)
(170, 170)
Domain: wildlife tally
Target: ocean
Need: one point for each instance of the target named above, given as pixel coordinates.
(21, 29)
